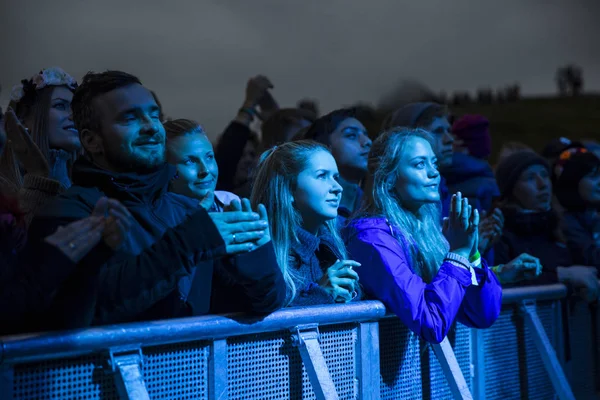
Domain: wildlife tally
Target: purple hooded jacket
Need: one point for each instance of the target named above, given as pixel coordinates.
(429, 310)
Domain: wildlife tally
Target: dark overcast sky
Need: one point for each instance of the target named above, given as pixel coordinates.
(198, 54)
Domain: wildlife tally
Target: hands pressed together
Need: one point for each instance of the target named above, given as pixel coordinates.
(110, 221)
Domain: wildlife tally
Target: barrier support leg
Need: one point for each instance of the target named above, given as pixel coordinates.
(368, 356)
(306, 338)
(452, 372)
(542, 343)
(127, 367)
(217, 370)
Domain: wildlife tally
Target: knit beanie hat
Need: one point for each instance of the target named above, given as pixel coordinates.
(474, 131)
(556, 146)
(511, 167)
(572, 165)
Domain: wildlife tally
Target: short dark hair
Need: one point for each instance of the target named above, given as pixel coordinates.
(323, 127)
(94, 85)
(274, 127)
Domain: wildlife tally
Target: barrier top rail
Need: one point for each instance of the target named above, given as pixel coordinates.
(51, 345)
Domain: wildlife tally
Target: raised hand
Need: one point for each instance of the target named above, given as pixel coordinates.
(256, 88)
(240, 230)
(78, 238)
(461, 226)
(24, 147)
(245, 206)
(490, 230)
(341, 281)
(117, 219)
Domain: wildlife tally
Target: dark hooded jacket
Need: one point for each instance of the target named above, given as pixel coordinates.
(171, 239)
(474, 178)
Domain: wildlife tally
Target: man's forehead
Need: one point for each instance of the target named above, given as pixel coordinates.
(130, 96)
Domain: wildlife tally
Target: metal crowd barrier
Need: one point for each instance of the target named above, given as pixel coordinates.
(351, 351)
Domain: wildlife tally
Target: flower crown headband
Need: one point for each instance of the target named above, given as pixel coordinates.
(53, 76)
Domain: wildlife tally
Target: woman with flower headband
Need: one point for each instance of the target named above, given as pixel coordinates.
(532, 225)
(427, 275)
(20, 295)
(577, 188)
(42, 139)
(250, 282)
(298, 182)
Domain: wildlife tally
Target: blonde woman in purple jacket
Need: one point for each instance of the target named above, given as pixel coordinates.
(427, 275)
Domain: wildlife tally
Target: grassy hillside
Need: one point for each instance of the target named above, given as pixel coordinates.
(534, 121)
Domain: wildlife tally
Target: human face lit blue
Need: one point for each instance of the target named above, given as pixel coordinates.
(317, 193)
(417, 178)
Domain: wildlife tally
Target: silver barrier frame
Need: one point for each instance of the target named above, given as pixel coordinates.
(124, 343)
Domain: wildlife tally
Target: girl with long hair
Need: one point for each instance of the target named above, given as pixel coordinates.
(298, 182)
(42, 139)
(428, 276)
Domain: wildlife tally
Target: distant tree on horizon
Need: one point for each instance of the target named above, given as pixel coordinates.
(569, 80)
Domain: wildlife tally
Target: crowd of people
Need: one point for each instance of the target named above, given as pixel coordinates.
(109, 213)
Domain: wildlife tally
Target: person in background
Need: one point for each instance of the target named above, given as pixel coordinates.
(250, 282)
(124, 142)
(238, 147)
(509, 148)
(298, 181)
(593, 146)
(555, 147)
(350, 144)
(28, 286)
(533, 227)
(42, 104)
(470, 173)
(429, 277)
(577, 188)
(42, 140)
(283, 124)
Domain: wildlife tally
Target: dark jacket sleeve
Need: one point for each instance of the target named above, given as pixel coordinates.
(36, 191)
(229, 152)
(250, 282)
(130, 285)
(123, 285)
(584, 249)
(23, 294)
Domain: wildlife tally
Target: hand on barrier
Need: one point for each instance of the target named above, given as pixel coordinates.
(117, 220)
(341, 281)
(490, 230)
(523, 267)
(461, 227)
(583, 279)
(245, 206)
(76, 239)
(240, 230)
(24, 147)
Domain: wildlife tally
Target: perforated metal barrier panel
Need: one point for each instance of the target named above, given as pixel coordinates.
(513, 366)
(269, 366)
(177, 371)
(581, 367)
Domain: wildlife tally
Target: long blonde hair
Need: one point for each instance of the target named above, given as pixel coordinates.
(421, 231)
(274, 186)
